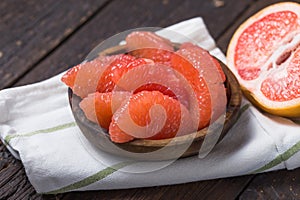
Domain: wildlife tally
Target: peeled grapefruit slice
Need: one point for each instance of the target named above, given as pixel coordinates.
(83, 78)
(157, 77)
(116, 69)
(150, 115)
(149, 45)
(99, 107)
(100, 74)
(264, 54)
(206, 77)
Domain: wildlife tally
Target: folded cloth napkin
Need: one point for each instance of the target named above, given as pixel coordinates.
(37, 126)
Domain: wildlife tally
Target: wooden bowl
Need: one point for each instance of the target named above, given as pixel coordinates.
(164, 149)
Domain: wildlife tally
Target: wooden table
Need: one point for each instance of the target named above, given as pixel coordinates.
(40, 39)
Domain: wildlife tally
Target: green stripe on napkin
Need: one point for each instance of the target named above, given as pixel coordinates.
(48, 130)
(91, 179)
(280, 158)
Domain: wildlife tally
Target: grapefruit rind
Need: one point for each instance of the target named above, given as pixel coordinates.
(289, 108)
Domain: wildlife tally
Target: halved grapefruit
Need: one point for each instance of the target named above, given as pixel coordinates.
(264, 54)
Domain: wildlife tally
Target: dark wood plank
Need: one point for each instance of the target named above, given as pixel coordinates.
(212, 189)
(31, 29)
(14, 183)
(274, 185)
(139, 13)
(217, 17)
(7, 173)
(13, 179)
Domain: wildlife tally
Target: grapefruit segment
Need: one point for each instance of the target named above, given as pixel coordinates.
(156, 87)
(116, 69)
(145, 39)
(157, 77)
(83, 78)
(206, 77)
(70, 76)
(151, 115)
(105, 83)
(149, 45)
(99, 107)
(264, 55)
(117, 135)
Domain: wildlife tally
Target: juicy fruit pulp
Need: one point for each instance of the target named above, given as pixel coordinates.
(264, 54)
(260, 40)
(206, 78)
(149, 45)
(99, 107)
(83, 78)
(153, 92)
(116, 69)
(286, 87)
(100, 74)
(142, 117)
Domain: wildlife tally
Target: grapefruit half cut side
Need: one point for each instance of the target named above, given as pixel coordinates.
(264, 55)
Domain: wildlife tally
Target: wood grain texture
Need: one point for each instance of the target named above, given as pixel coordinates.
(13, 182)
(31, 29)
(274, 185)
(139, 13)
(211, 189)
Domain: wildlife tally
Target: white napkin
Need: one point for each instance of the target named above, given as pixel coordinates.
(37, 126)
